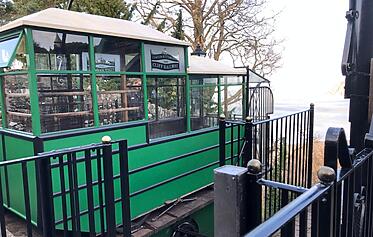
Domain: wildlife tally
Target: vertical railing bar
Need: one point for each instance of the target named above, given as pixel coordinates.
(306, 149)
(100, 192)
(315, 218)
(297, 153)
(301, 115)
(338, 209)
(285, 152)
(293, 155)
(109, 190)
(369, 197)
(310, 148)
(238, 143)
(91, 211)
(305, 135)
(289, 152)
(71, 194)
(271, 170)
(231, 145)
(63, 194)
(303, 222)
(276, 198)
(26, 195)
(76, 191)
(222, 141)
(281, 151)
(345, 211)
(125, 192)
(350, 205)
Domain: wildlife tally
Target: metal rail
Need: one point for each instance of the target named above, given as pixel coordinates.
(339, 208)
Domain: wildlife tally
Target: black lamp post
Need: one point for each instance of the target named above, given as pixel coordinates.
(199, 52)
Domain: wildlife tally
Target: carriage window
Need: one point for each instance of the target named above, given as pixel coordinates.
(60, 51)
(65, 102)
(114, 55)
(166, 106)
(17, 102)
(231, 96)
(120, 99)
(204, 102)
(7, 48)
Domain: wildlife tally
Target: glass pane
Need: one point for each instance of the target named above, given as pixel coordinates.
(60, 51)
(17, 102)
(203, 80)
(7, 48)
(115, 54)
(166, 106)
(231, 97)
(65, 102)
(204, 107)
(20, 60)
(231, 80)
(120, 99)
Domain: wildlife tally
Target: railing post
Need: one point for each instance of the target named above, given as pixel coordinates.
(310, 151)
(109, 186)
(254, 209)
(327, 176)
(45, 191)
(222, 140)
(126, 204)
(230, 201)
(247, 153)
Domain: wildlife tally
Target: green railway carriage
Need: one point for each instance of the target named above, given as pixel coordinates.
(67, 79)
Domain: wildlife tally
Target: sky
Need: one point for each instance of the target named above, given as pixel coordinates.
(314, 32)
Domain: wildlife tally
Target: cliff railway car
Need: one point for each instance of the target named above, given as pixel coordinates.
(69, 80)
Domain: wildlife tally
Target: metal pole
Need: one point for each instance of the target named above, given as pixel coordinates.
(310, 140)
(222, 140)
(230, 202)
(45, 191)
(247, 153)
(126, 212)
(254, 202)
(109, 187)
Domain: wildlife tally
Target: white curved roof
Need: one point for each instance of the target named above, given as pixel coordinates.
(55, 18)
(202, 65)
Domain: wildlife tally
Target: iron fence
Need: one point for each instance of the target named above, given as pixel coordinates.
(260, 102)
(60, 203)
(340, 205)
(77, 186)
(284, 146)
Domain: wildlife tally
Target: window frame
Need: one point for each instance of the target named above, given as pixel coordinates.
(14, 53)
(33, 74)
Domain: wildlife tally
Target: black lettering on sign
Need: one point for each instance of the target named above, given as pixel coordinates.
(164, 61)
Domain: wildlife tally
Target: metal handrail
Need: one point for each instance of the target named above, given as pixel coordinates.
(289, 212)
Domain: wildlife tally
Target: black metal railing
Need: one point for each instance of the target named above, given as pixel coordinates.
(284, 146)
(341, 205)
(260, 102)
(60, 202)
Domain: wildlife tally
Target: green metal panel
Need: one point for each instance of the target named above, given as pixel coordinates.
(13, 151)
(154, 198)
(33, 87)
